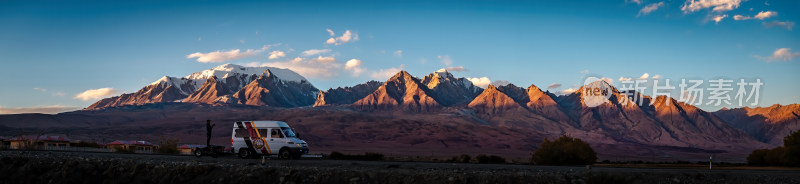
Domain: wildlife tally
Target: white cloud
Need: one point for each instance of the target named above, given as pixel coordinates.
(718, 18)
(715, 5)
(554, 86)
(40, 89)
(760, 16)
(221, 56)
(94, 94)
(650, 8)
(568, 91)
(480, 82)
(782, 54)
(346, 37)
(639, 2)
(53, 109)
(313, 68)
(446, 60)
(311, 52)
(324, 60)
(625, 79)
(607, 80)
(276, 54)
(787, 24)
(657, 77)
(330, 32)
(384, 74)
(645, 76)
(398, 53)
(584, 71)
(355, 66)
(765, 14)
(455, 69)
(59, 94)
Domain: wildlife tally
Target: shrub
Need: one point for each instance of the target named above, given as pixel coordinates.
(366, 156)
(168, 146)
(87, 144)
(491, 159)
(564, 151)
(464, 158)
(786, 155)
(124, 150)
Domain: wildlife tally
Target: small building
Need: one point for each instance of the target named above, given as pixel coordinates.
(136, 146)
(186, 149)
(40, 142)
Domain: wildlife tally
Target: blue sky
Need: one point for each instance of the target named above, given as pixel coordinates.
(52, 51)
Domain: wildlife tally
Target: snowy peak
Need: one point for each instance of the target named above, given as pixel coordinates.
(443, 73)
(228, 70)
(449, 90)
(217, 84)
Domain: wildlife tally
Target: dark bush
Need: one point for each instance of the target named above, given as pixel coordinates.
(366, 156)
(564, 151)
(482, 159)
(787, 155)
(464, 158)
(124, 150)
(168, 146)
(491, 159)
(336, 155)
(87, 144)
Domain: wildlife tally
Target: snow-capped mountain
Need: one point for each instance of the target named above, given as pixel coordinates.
(450, 90)
(270, 90)
(227, 79)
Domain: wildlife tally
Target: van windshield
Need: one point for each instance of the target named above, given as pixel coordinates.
(288, 132)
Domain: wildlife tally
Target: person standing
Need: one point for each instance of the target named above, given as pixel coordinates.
(209, 126)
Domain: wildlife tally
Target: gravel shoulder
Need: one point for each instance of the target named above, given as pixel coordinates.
(82, 167)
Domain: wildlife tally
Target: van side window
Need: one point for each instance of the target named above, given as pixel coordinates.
(263, 132)
(276, 133)
(241, 132)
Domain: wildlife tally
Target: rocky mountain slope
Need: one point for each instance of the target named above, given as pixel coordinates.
(450, 90)
(401, 92)
(227, 80)
(269, 90)
(346, 95)
(768, 124)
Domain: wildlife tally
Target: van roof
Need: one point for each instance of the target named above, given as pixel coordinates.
(264, 123)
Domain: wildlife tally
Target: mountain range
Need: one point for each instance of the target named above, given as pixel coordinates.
(225, 84)
(512, 113)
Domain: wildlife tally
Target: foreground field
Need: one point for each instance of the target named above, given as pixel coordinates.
(76, 167)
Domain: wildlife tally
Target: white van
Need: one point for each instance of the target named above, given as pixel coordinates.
(252, 138)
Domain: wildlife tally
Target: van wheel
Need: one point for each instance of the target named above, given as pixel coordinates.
(198, 153)
(244, 153)
(284, 154)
